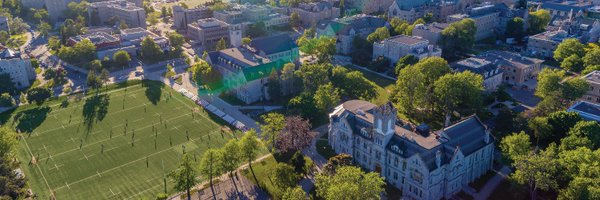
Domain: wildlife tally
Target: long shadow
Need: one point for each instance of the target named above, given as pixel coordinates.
(95, 109)
(6, 115)
(153, 91)
(29, 120)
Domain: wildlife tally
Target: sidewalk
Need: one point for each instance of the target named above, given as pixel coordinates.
(491, 185)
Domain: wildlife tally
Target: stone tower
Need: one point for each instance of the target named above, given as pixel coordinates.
(385, 121)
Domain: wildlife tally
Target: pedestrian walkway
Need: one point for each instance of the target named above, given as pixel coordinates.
(494, 182)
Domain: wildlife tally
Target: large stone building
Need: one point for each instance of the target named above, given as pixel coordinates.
(593, 94)
(117, 11)
(413, 10)
(544, 44)
(17, 67)
(311, 13)
(371, 6)
(491, 73)
(57, 8)
(424, 164)
(399, 46)
(245, 73)
(516, 69)
(347, 28)
(182, 16)
(207, 32)
(431, 32)
(4, 24)
(277, 47)
(488, 19)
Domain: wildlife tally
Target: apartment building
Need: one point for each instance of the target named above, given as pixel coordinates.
(312, 13)
(116, 11)
(396, 47)
(182, 16)
(207, 32)
(18, 67)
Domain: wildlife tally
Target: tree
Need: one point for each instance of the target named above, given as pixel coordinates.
(587, 129)
(121, 58)
(231, 157)
(325, 48)
(153, 18)
(17, 26)
(13, 185)
(284, 176)
(273, 124)
(326, 97)
(295, 193)
(380, 34)
(458, 91)
(41, 15)
(150, 50)
(349, 183)
(540, 127)
(572, 63)
(274, 85)
(185, 175)
(314, 75)
(573, 142)
(44, 28)
(6, 85)
(205, 75)
(548, 82)
(83, 51)
(574, 88)
(561, 122)
(405, 61)
(176, 41)
(336, 162)
(569, 47)
(249, 146)
(209, 165)
(458, 36)
(298, 162)
(295, 20)
(537, 170)
(515, 28)
(221, 44)
(246, 41)
(6, 100)
(257, 29)
(515, 146)
(295, 136)
(538, 21)
(353, 84)
(38, 95)
(104, 77)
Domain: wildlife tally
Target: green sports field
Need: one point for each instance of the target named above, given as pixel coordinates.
(118, 144)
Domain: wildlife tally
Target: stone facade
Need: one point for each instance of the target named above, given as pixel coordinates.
(431, 32)
(347, 28)
(182, 17)
(593, 94)
(423, 164)
(207, 32)
(19, 68)
(101, 13)
(399, 46)
(544, 44)
(311, 13)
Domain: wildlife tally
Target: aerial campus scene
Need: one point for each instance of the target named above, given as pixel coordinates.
(300, 99)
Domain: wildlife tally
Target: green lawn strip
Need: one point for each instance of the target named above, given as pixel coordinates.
(111, 168)
(263, 170)
(324, 149)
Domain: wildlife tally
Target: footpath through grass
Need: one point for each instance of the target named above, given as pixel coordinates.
(118, 144)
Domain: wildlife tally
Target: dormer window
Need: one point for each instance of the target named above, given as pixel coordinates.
(364, 132)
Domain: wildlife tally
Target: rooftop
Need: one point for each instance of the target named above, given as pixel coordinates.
(407, 40)
(510, 59)
(273, 44)
(586, 110)
(210, 23)
(96, 38)
(556, 36)
(133, 30)
(433, 27)
(593, 77)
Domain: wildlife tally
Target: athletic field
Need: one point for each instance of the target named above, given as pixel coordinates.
(118, 144)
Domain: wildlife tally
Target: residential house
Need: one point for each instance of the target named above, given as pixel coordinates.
(422, 163)
(17, 66)
(399, 46)
(347, 28)
(491, 73)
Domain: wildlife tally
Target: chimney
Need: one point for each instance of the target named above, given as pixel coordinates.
(423, 130)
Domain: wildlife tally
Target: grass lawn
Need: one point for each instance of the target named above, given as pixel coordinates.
(263, 170)
(116, 145)
(384, 85)
(15, 41)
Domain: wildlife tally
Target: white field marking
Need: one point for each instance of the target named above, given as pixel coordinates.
(143, 191)
(76, 122)
(45, 149)
(104, 140)
(130, 162)
(98, 173)
(113, 193)
(57, 167)
(67, 185)
(108, 92)
(38, 167)
(140, 119)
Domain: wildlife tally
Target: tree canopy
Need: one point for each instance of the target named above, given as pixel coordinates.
(349, 183)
